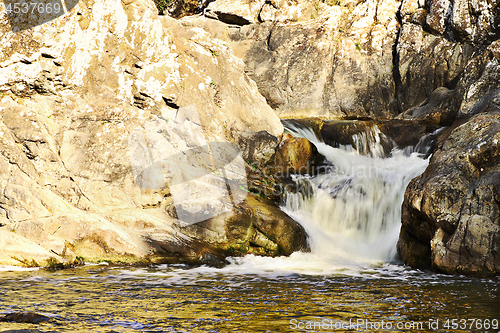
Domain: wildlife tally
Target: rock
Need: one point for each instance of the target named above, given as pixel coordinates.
(25, 317)
(255, 226)
(319, 69)
(451, 213)
(237, 12)
(297, 156)
(178, 8)
(94, 108)
(480, 81)
(404, 133)
(376, 138)
(317, 59)
(426, 62)
(360, 135)
(436, 45)
(243, 12)
(258, 148)
(441, 107)
(20, 251)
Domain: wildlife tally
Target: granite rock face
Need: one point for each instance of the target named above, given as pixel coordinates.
(436, 43)
(318, 58)
(93, 106)
(450, 215)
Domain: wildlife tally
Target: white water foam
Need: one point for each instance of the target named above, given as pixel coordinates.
(351, 214)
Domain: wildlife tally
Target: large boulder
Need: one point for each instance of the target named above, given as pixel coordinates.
(104, 113)
(297, 156)
(254, 226)
(450, 214)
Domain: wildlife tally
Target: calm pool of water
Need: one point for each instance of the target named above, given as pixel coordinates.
(178, 299)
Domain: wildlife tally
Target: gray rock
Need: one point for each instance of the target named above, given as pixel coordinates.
(451, 212)
(426, 62)
(318, 59)
(441, 107)
(450, 215)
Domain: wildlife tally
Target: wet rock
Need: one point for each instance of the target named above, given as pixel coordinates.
(25, 317)
(297, 156)
(451, 213)
(376, 138)
(357, 134)
(187, 251)
(405, 133)
(256, 226)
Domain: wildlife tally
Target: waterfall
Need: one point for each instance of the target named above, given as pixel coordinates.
(353, 211)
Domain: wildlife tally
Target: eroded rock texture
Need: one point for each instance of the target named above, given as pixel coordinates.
(314, 58)
(451, 213)
(449, 61)
(77, 93)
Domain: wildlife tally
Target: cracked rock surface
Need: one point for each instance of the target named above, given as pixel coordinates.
(72, 93)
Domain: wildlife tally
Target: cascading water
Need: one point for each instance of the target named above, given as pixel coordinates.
(352, 211)
(346, 283)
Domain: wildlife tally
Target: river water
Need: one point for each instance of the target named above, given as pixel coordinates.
(351, 281)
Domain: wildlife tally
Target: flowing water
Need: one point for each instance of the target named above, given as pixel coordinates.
(351, 280)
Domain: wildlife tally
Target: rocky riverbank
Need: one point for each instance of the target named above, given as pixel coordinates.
(435, 62)
(450, 64)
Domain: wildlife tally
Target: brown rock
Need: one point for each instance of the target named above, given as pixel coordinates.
(297, 156)
(255, 226)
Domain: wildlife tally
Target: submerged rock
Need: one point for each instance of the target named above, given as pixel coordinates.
(25, 317)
